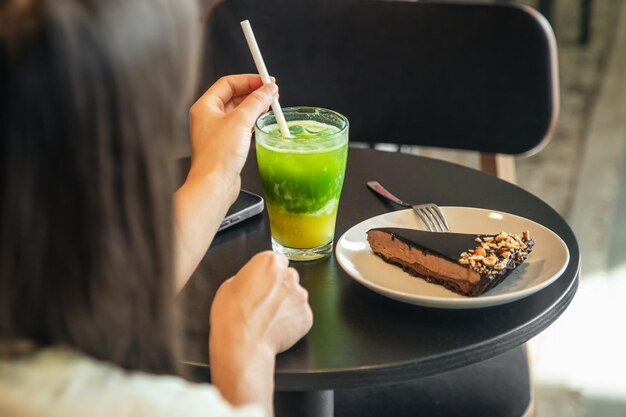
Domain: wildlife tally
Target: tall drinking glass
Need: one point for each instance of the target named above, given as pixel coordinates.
(302, 178)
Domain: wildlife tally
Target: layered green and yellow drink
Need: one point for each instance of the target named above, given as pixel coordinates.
(302, 178)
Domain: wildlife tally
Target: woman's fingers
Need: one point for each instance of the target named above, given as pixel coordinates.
(293, 318)
(244, 93)
(255, 104)
(288, 294)
(262, 307)
(261, 275)
(268, 282)
(290, 277)
(231, 86)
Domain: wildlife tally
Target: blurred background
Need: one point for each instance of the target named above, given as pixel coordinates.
(579, 363)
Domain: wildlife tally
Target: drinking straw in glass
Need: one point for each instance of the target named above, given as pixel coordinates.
(265, 77)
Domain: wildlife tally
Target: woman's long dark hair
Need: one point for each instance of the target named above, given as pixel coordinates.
(91, 97)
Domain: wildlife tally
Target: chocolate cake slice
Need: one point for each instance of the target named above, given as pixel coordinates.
(467, 264)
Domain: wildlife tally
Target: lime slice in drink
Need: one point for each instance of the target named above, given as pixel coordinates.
(302, 132)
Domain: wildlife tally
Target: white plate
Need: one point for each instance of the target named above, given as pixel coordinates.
(545, 264)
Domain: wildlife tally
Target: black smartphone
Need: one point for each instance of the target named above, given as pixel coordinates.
(247, 205)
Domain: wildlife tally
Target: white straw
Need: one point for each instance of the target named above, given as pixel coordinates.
(265, 77)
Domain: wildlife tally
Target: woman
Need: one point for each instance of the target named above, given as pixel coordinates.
(92, 97)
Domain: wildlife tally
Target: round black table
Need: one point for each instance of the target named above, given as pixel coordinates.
(360, 338)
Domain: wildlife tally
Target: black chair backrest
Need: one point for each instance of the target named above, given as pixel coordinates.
(470, 76)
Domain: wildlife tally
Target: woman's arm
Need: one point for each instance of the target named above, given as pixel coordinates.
(262, 310)
(221, 124)
(256, 314)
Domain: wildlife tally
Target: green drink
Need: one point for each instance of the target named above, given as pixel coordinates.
(302, 178)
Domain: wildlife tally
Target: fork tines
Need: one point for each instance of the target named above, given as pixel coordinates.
(432, 217)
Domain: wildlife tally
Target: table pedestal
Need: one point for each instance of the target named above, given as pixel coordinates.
(304, 403)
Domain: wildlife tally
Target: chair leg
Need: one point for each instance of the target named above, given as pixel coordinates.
(585, 22)
(532, 406)
(502, 166)
(531, 410)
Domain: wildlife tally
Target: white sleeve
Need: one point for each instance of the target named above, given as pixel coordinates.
(61, 383)
(174, 397)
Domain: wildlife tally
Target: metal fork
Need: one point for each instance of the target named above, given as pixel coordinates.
(430, 214)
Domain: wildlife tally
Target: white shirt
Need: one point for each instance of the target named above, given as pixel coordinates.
(58, 382)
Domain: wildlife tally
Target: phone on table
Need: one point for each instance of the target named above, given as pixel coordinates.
(247, 205)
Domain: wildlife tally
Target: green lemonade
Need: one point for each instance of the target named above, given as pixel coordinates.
(302, 180)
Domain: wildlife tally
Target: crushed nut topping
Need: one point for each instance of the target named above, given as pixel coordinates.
(480, 251)
(494, 253)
